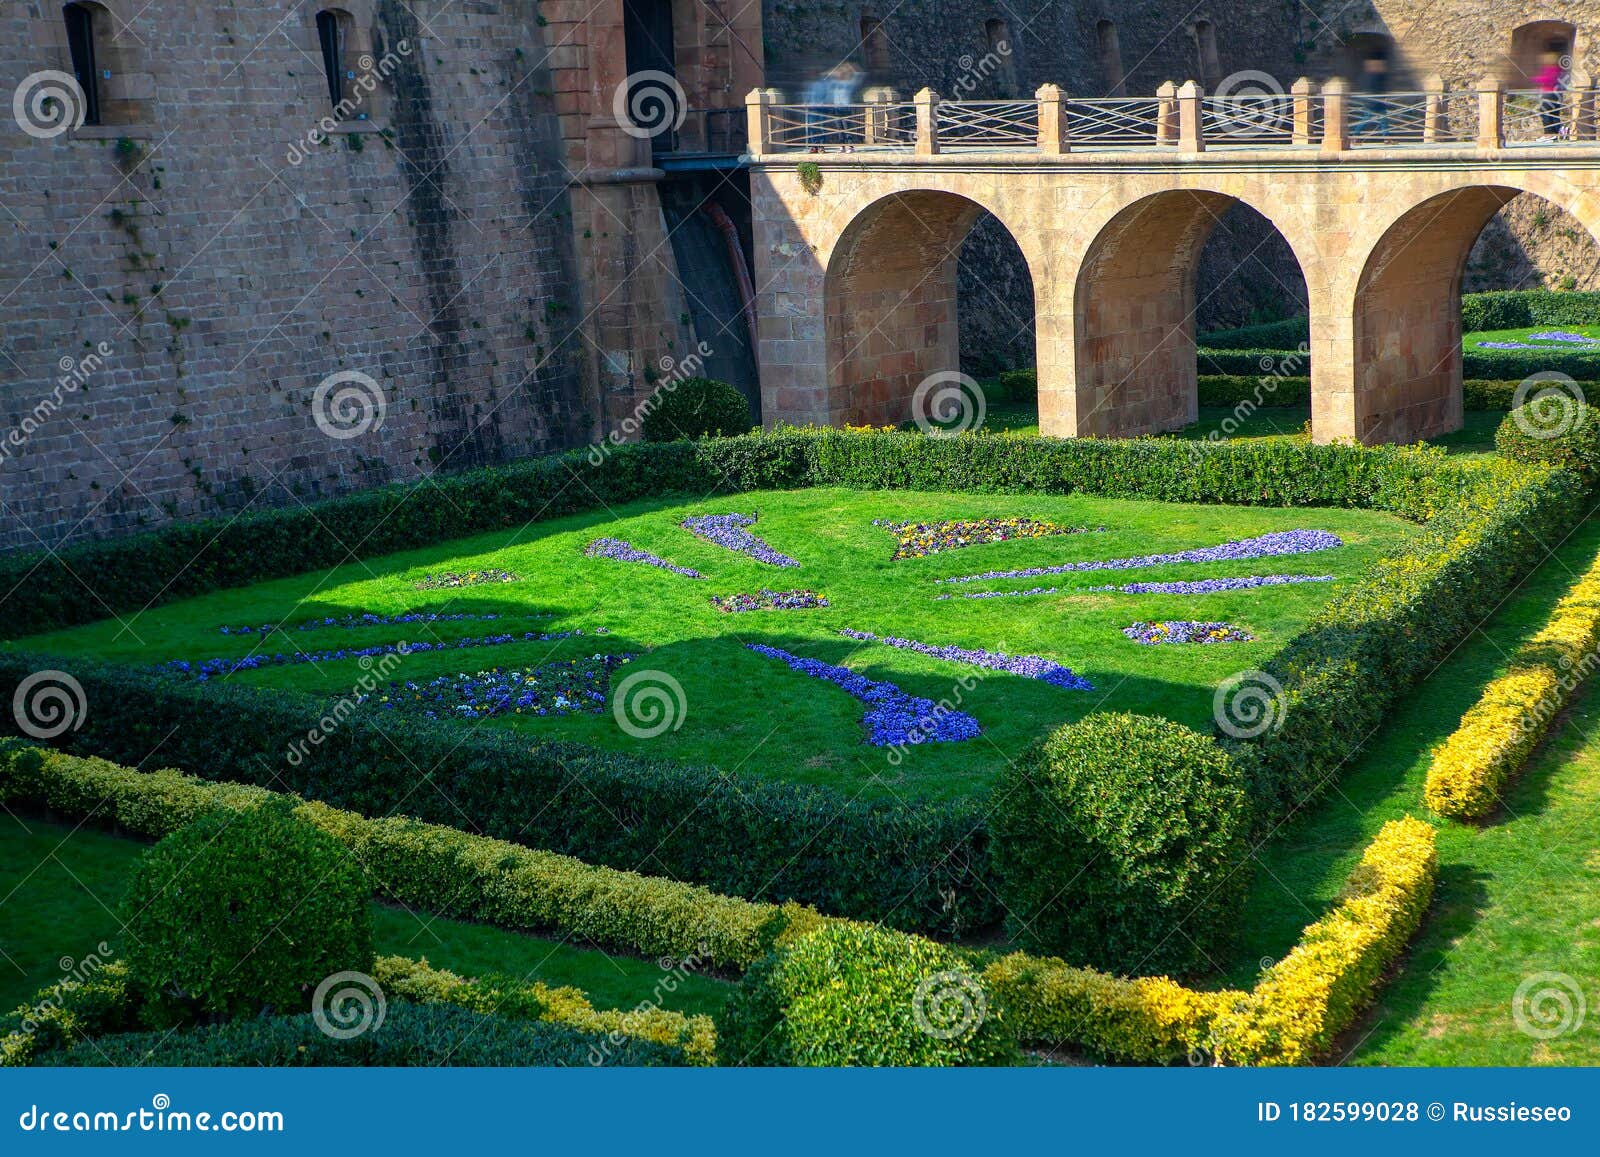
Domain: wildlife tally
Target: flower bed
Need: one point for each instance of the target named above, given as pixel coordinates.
(216, 668)
(765, 600)
(451, 580)
(627, 552)
(893, 718)
(1028, 666)
(1186, 631)
(1194, 587)
(564, 687)
(348, 622)
(1280, 542)
(916, 539)
(727, 530)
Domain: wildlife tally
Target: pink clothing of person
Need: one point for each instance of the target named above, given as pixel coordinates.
(1548, 78)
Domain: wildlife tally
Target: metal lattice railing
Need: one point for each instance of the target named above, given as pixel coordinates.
(1388, 118)
(989, 123)
(1543, 118)
(819, 126)
(1113, 121)
(1258, 119)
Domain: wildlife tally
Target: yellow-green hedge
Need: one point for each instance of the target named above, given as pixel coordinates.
(1496, 737)
(1296, 1009)
(435, 868)
(418, 982)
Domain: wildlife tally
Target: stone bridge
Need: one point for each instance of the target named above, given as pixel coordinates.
(860, 212)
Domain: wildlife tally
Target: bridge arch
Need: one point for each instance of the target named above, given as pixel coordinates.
(1134, 307)
(889, 302)
(1406, 311)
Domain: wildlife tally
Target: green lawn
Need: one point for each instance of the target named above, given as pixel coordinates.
(749, 712)
(1517, 897)
(60, 887)
(1472, 341)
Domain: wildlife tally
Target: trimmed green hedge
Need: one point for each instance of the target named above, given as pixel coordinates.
(411, 1036)
(1120, 843)
(1480, 312)
(1556, 428)
(695, 408)
(1262, 390)
(433, 868)
(1288, 334)
(1496, 365)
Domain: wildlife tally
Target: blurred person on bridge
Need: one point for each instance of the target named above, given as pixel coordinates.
(828, 100)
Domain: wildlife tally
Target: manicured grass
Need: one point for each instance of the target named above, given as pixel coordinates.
(60, 887)
(1516, 897)
(1472, 341)
(751, 713)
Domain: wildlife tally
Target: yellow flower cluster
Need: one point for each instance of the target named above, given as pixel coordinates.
(1499, 733)
(1295, 1010)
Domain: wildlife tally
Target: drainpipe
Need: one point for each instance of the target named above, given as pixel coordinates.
(741, 272)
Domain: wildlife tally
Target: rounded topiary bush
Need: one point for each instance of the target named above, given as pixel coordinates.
(854, 994)
(242, 912)
(1555, 425)
(1120, 843)
(695, 408)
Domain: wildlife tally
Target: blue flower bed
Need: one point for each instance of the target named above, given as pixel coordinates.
(1186, 631)
(893, 718)
(1028, 666)
(1213, 586)
(565, 687)
(727, 530)
(627, 552)
(1279, 542)
(216, 668)
(765, 600)
(451, 580)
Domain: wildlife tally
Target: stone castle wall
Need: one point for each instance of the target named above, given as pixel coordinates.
(179, 281)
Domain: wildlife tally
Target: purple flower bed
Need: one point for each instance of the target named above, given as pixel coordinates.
(727, 530)
(1564, 337)
(1028, 666)
(627, 552)
(916, 539)
(215, 668)
(766, 600)
(1277, 543)
(450, 580)
(894, 719)
(366, 620)
(1186, 631)
(1213, 586)
(565, 687)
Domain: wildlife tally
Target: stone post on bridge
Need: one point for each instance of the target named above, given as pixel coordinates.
(876, 130)
(1303, 93)
(1053, 136)
(1434, 126)
(758, 120)
(1167, 113)
(1191, 138)
(1335, 115)
(1491, 113)
(926, 103)
(1585, 116)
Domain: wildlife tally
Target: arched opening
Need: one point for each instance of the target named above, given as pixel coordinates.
(875, 49)
(88, 26)
(333, 39)
(1110, 46)
(1000, 57)
(1407, 332)
(1207, 63)
(890, 303)
(1136, 305)
(1529, 45)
